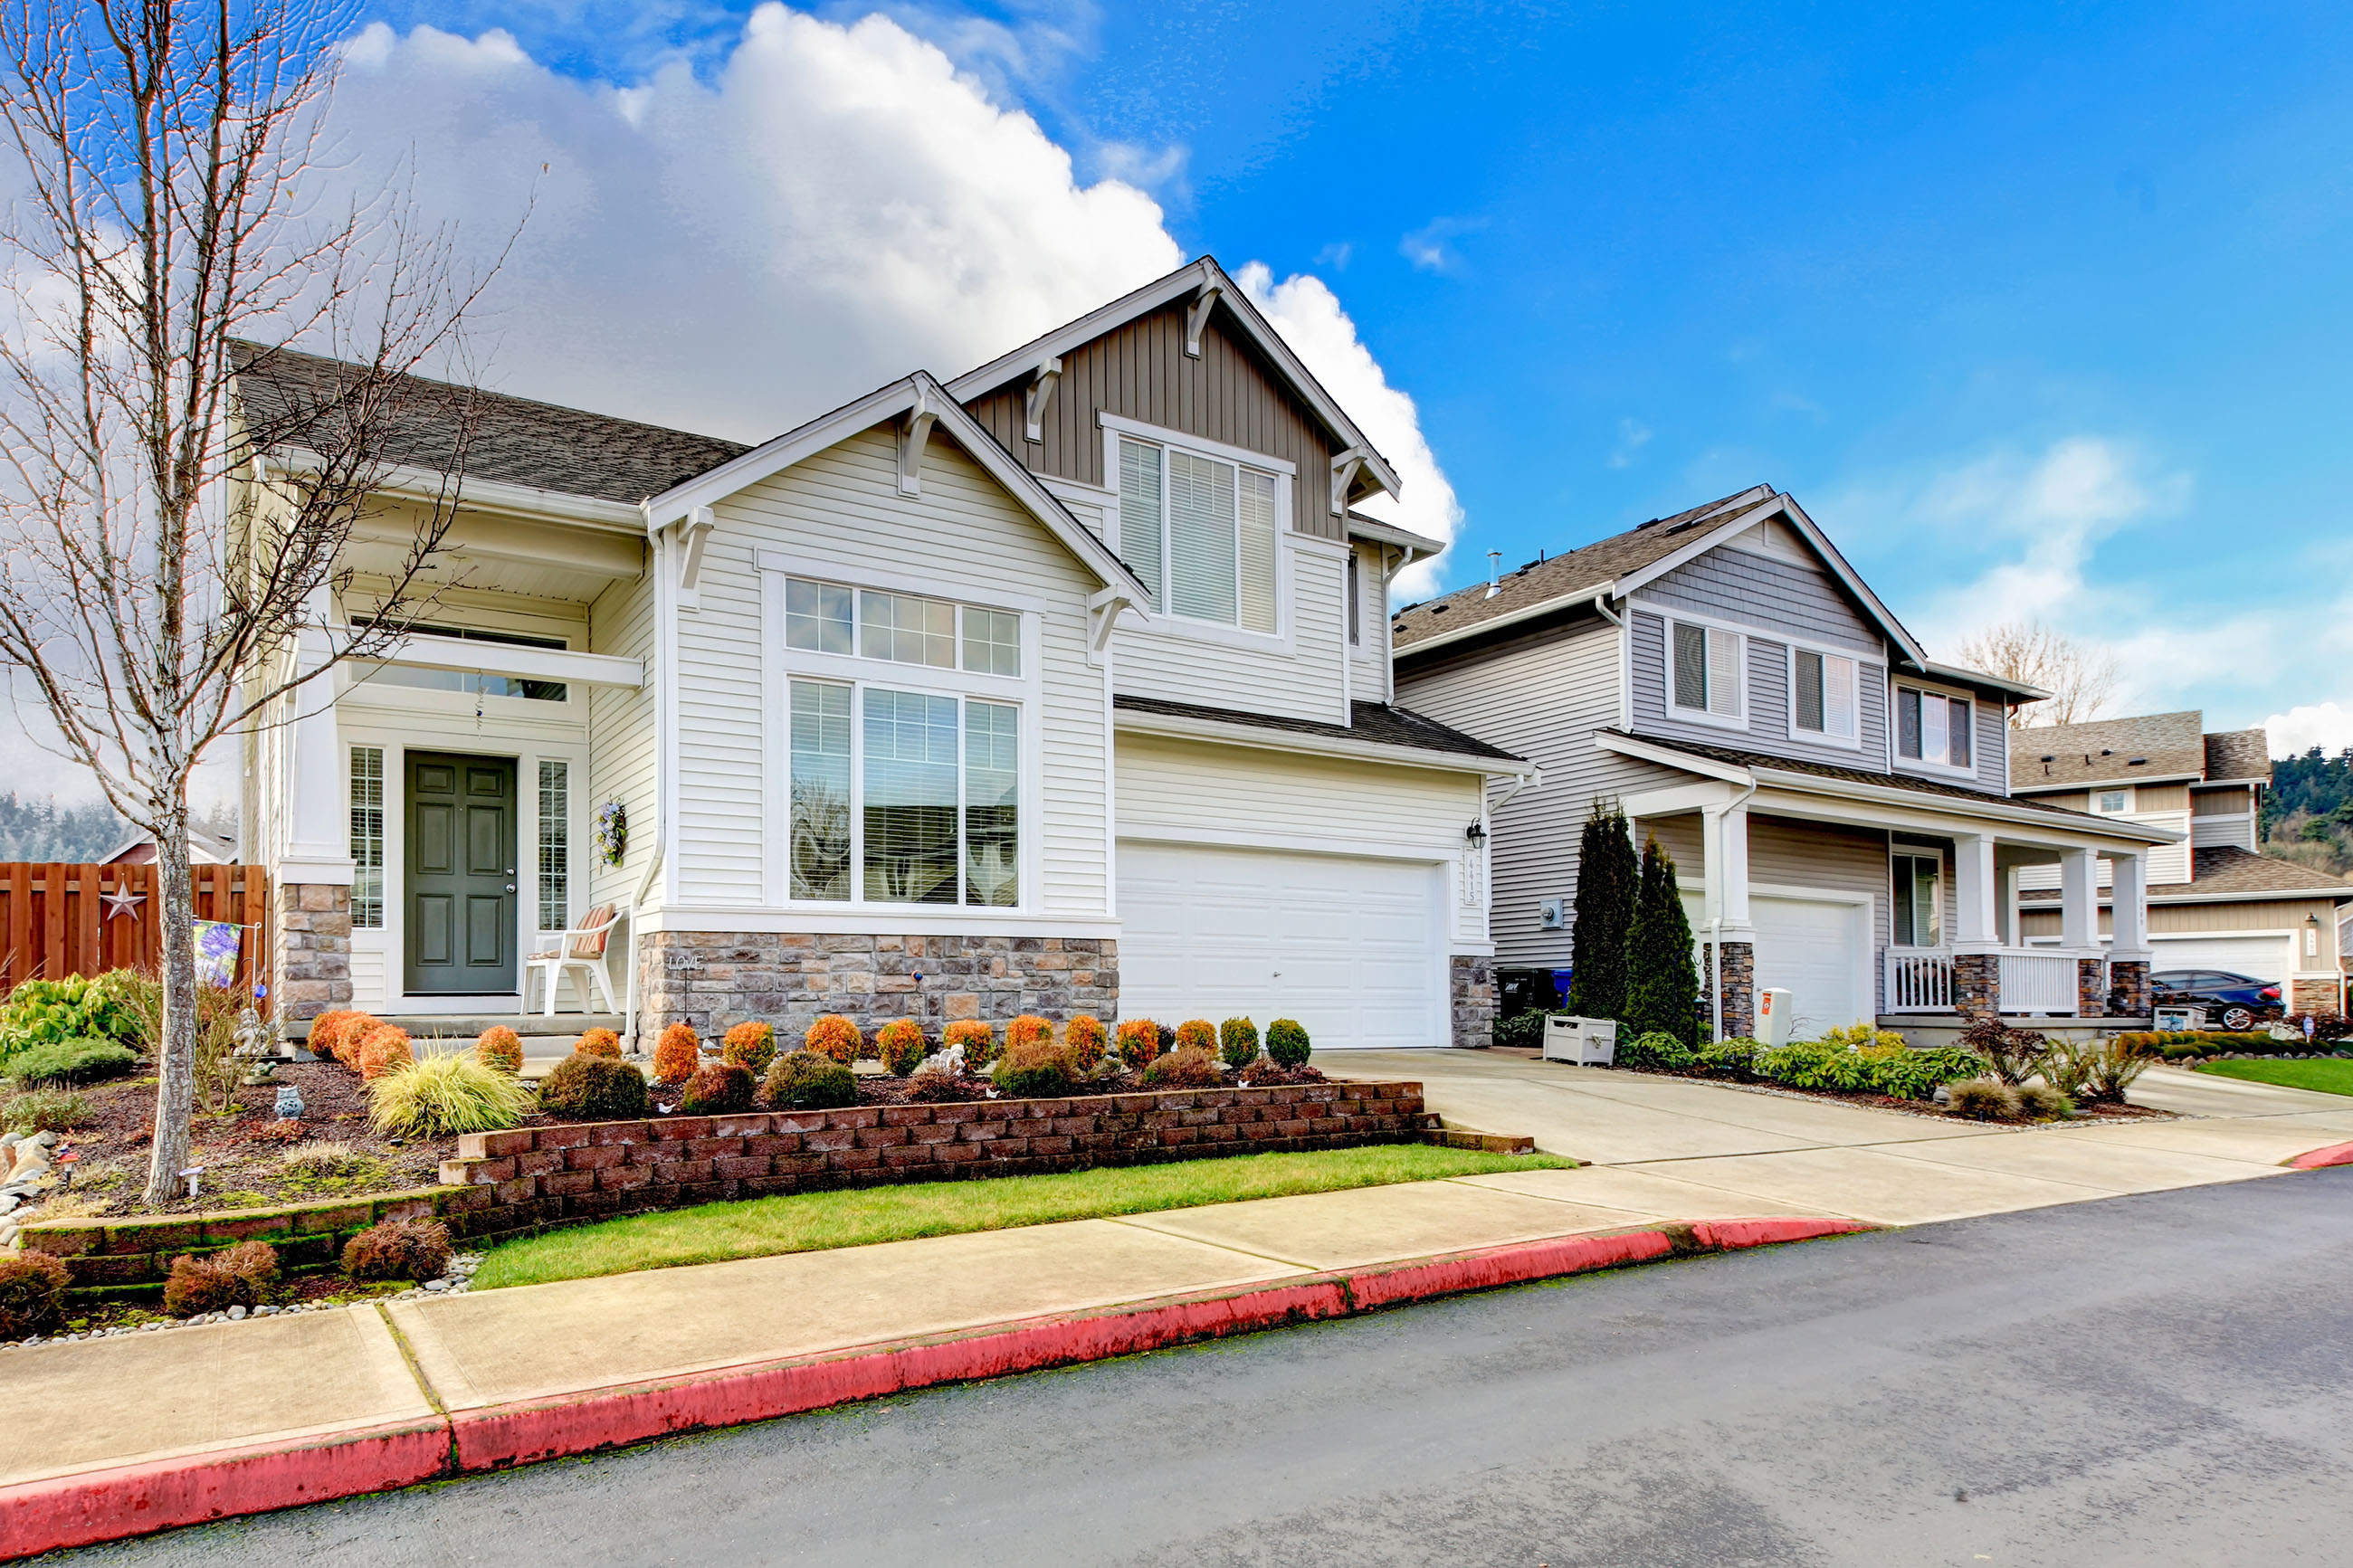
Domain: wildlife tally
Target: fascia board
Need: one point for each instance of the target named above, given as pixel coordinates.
(2200, 781)
(1390, 533)
(427, 651)
(1667, 756)
(1961, 675)
(2039, 787)
(1546, 608)
(1258, 738)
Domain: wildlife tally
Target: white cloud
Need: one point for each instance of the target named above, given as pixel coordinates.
(1310, 321)
(1430, 248)
(1633, 437)
(2328, 725)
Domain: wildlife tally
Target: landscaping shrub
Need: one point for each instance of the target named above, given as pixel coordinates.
(1661, 982)
(446, 1092)
(1237, 1042)
(1656, 1049)
(751, 1044)
(385, 1047)
(1734, 1058)
(1914, 1075)
(805, 1080)
(501, 1047)
(236, 1277)
(836, 1036)
(978, 1040)
(1034, 1069)
(932, 1086)
(1864, 1037)
(32, 1294)
(1139, 1042)
(1286, 1043)
(325, 1157)
(717, 1088)
(594, 1088)
(1196, 1035)
(1523, 1032)
(1895, 1070)
(1982, 1099)
(44, 1110)
(343, 1041)
(598, 1043)
(1027, 1030)
(73, 1061)
(2112, 1071)
(326, 1024)
(77, 1008)
(2013, 1054)
(901, 1046)
(1187, 1067)
(1811, 1064)
(2067, 1066)
(2043, 1103)
(2180, 1044)
(1088, 1041)
(2327, 1028)
(1608, 878)
(399, 1249)
(677, 1054)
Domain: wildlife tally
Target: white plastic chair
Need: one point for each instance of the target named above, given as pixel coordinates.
(582, 949)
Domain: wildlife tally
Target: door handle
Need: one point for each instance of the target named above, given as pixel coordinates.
(510, 887)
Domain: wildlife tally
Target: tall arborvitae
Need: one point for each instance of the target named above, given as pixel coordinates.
(1605, 876)
(1661, 982)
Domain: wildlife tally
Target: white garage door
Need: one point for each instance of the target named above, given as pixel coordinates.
(1816, 950)
(2264, 957)
(1353, 949)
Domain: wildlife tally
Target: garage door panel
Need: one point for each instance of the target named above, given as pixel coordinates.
(1814, 949)
(1352, 948)
(2264, 957)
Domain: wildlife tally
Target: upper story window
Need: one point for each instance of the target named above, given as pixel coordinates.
(1706, 677)
(1356, 601)
(1932, 728)
(2111, 802)
(1827, 695)
(904, 628)
(1200, 532)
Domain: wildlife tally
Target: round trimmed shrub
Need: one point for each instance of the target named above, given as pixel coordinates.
(978, 1040)
(238, 1276)
(32, 1294)
(501, 1047)
(1139, 1042)
(399, 1249)
(385, 1047)
(803, 1080)
(1087, 1040)
(1981, 1099)
(751, 1044)
(598, 1043)
(2041, 1103)
(1187, 1067)
(717, 1088)
(1286, 1043)
(73, 1061)
(594, 1088)
(836, 1036)
(677, 1054)
(1196, 1035)
(1027, 1030)
(1237, 1042)
(343, 1042)
(901, 1044)
(1034, 1069)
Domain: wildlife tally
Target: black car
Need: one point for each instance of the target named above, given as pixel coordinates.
(2235, 1001)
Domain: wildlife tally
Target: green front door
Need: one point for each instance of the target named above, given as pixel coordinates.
(461, 873)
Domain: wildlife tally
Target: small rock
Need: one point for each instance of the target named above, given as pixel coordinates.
(437, 1284)
(236, 1314)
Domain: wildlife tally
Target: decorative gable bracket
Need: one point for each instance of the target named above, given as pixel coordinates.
(684, 540)
(1198, 317)
(914, 434)
(1344, 469)
(1040, 393)
(1104, 609)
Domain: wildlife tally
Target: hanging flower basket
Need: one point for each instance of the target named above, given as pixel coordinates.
(612, 832)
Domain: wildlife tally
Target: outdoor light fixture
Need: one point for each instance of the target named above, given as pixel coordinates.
(1476, 833)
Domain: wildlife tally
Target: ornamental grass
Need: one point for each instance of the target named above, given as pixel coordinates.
(445, 1093)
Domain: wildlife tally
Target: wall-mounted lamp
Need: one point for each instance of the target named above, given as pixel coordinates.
(1476, 834)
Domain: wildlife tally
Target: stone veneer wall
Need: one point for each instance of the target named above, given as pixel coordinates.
(713, 979)
(1738, 965)
(1977, 985)
(2314, 997)
(311, 965)
(2091, 988)
(1471, 995)
(2128, 987)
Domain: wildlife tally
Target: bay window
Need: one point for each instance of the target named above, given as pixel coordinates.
(1826, 692)
(1707, 682)
(1933, 728)
(1200, 532)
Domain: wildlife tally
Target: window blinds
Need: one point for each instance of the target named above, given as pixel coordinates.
(1256, 498)
(1724, 673)
(1201, 567)
(1691, 667)
(1139, 514)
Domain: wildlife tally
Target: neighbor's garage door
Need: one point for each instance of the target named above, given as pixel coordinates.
(1353, 949)
(1816, 950)
(2264, 957)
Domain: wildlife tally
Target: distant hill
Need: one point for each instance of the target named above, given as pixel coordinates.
(2308, 815)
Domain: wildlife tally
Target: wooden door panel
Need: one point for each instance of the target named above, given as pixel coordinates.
(460, 875)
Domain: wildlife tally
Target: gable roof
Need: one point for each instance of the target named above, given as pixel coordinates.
(2239, 754)
(2168, 746)
(1189, 279)
(2226, 871)
(1375, 724)
(513, 440)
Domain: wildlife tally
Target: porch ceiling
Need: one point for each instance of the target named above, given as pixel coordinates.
(508, 555)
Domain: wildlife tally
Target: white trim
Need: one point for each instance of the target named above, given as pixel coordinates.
(1674, 712)
(1120, 425)
(1257, 737)
(1789, 673)
(844, 571)
(884, 920)
(1285, 842)
(1929, 767)
(1284, 639)
(423, 650)
(411, 482)
(1592, 595)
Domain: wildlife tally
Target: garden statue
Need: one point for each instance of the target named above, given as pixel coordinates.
(290, 1103)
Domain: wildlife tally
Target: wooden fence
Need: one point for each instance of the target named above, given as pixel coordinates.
(59, 920)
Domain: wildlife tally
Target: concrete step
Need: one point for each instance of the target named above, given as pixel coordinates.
(539, 1032)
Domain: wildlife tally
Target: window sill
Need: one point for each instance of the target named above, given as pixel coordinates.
(1701, 715)
(1177, 628)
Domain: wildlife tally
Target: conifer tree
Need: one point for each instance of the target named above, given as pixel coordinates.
(1605, 882)
(1661, 982)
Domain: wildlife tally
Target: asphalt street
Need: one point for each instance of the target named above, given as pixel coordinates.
(2155, 1380)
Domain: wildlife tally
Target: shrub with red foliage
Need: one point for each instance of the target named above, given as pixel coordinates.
(598, 1043)
(978, 1040)
(934, 1087)
(836, 1036)
(677, 1054)
(1139, 1042)
(1027, 1030)
(501, 1047)
(1187, 1067)
(32, 1294)
(237, 1276)
(717, 1088)
(1196, 1035)
(901, 1045)
(399, 1249)
(343, 1041)
(1087, 1040)
(751, 1044)
(386, 1046)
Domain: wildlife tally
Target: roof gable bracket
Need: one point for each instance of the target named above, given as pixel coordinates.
(1040, 393)
(1104, 609)
(914, 434)
(1198, 317)
(1344, 469)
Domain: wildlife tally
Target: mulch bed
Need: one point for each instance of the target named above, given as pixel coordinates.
(1933, 1112)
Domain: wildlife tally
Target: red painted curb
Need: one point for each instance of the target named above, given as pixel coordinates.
(1731, 1234)
(1394, 1284)
(2319, 1159)
(137, 1499)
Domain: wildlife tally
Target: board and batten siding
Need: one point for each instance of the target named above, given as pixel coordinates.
(842, 515)
(622, 744)
(1302, 675)
(1140, 371)
(1767, 695)
(1540, 696)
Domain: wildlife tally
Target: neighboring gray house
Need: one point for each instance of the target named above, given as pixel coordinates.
(1837, 804)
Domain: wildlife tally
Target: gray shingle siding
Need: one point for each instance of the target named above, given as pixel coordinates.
(1768, 703)
(1766, 592)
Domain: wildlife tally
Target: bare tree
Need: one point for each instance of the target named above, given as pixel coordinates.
(2080, 679)
(166, 546)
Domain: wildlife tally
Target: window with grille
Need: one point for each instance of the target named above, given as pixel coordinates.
(367, 837)
(554, 846)
(903, 628)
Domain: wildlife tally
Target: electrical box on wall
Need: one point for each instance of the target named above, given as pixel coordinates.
(1552, 914)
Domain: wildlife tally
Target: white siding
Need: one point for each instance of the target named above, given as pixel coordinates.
(841, 511)
(1296, 677)
(1368, 658)
(621, 734)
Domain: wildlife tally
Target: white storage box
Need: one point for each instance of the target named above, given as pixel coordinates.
(1589, 1042)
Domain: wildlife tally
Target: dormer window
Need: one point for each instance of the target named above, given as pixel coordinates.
(2112, 801)
(1933, 728)
(1827, 695)
(1200, 532)
(1706, 683)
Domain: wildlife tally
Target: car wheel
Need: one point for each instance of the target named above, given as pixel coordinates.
(2238, 1018)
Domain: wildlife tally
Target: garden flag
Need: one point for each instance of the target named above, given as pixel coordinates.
(216, 953)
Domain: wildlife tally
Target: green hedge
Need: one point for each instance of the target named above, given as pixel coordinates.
(1904, 1073)
(2175, 1045)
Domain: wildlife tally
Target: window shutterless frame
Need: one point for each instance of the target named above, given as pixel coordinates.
(1935, 731)
(1203, 525)
(1707, 672)
(1825, 688)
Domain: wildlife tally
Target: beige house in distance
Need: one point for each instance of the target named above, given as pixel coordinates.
(2214, 902)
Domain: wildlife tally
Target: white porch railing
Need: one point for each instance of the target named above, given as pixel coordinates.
(2038, 983)
(1918, 982)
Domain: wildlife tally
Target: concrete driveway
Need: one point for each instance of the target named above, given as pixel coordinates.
(1678, 1145)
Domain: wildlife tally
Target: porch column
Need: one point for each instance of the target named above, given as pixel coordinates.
(1973, 889)
(310, 957)
(1725, 837)
(2079, 898)
(2128, 951)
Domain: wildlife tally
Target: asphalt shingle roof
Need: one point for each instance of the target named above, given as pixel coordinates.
(1741, 759)
(513, 440)
(2227, 868)
(2104, 750)
(2239, 754)
(1375, 722)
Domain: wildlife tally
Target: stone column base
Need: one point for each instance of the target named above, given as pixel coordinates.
(311, 949)
(2128, 988)
(2091, 988)
(2315, 996)
(1470, 997)
(1738, 964)
(1976, 985)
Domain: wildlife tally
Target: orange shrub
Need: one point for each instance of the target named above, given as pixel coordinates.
(900, 1043)
(326, 1027)
(599, 1043)
(836, 1036)
(387, 1046)
(751, 1044)
(501, 1047)
(1027, 1030)
(1139, 1042)
(1085, 1036)
(978, 1040)
(677, 1054)
(343, 1043)
(1196, 1035)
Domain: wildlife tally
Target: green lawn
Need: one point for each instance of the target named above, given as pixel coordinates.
(808, 1222)
(2329, 1075)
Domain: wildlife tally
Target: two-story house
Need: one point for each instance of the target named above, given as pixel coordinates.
(2214, 902)
(1055, 688)
(1837, 804)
